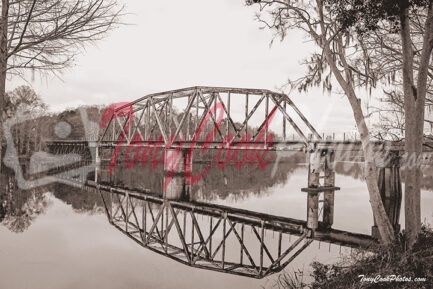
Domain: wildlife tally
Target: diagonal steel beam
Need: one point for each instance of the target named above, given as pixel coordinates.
(181, 235)
(282, 256)
(107, 211)
(135, 217)
(155, 223)
(153, 220)
(264, 246)
(208, 241)
(295, 108)
(290, 120)
(137, 124)
(158, 120)
(200, 235)
(304, 246)
(120, 207)
(169, 225)
(186, 113)
(242, 244)
(206, 104)
(227, 111)
(222, 242)
(245, 123)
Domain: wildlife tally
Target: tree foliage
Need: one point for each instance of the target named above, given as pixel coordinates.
(368, 15)
(362, 43)
(47, 34)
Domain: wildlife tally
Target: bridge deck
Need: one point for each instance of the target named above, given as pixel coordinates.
(334, 145)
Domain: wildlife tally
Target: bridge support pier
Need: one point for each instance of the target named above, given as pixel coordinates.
(389, 182)
(320, 161)
(94, 151)
(313, 210)
(176, 166)
(329, 196)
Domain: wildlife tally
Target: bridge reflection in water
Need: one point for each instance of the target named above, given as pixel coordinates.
(215, 237)
(169, 225)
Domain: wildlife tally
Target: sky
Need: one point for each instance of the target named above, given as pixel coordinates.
(174, 44)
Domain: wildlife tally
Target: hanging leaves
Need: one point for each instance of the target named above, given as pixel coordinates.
(366, 15)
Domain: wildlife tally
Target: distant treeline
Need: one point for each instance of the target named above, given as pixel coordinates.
(32, 124)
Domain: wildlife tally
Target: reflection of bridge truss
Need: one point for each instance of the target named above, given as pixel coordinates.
(155, 115)
(209, 236)
(215, 237)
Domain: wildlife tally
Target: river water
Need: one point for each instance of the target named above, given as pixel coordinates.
(59, 237)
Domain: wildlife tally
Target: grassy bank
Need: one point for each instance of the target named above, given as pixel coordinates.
(395, 267)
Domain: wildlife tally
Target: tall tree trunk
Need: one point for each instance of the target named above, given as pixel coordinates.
(414, 106)
(385, 228)
(3, 67)
(411, 188)
(384, 225)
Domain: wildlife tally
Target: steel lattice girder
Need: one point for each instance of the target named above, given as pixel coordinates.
(215, 237)
(154, 117)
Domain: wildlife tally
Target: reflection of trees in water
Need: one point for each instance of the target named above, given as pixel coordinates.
(427, 179)
(352, 169)
(247, 181)
(218, 183)
(135, 178)
(240, 184)
(356, 171)
(19, 208)
(81, 200)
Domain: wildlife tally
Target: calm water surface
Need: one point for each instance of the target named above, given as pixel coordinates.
(60, 237)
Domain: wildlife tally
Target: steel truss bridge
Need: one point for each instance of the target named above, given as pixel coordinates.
(216, 237)
(155, 118)
(223, 119)
(166, 117)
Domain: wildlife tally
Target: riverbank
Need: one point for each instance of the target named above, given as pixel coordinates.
(395, 267)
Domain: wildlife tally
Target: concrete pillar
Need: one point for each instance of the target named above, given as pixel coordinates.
(94, 152)
(313, 210)
(175, 164)
(328, 199)
(97, 163)
(389, 182)
(314, 168)
(321, 166)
